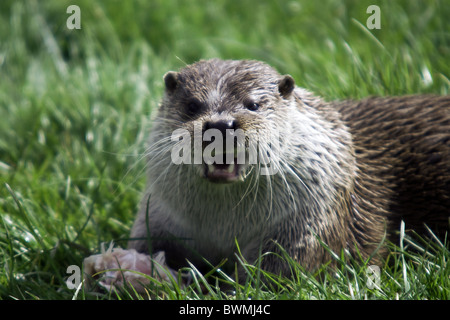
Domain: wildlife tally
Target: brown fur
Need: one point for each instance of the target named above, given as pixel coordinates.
(405, 143)
(349, 171)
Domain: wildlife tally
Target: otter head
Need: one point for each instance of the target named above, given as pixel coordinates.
(223, 117)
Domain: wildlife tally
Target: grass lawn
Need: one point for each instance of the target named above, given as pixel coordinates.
(75, 108)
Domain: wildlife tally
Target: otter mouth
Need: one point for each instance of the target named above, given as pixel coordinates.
(224, 162)
(223, 173)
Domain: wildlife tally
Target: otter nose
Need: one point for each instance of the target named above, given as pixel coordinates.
(221, 125)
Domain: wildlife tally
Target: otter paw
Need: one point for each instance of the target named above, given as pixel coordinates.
(116, 267)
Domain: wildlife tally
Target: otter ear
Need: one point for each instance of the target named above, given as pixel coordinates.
(171, 80)
(286, 86)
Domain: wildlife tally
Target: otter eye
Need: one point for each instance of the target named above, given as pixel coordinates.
(193, 107)
(252, 106)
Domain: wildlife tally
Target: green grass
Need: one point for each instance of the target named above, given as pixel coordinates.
(75, 108)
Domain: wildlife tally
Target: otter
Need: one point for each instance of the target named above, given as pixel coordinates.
(345, 173)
